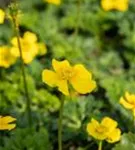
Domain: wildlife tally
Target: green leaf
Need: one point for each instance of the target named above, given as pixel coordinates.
(127, 142)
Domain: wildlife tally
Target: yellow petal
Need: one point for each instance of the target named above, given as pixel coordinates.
(121, 5)
(130, 98)
(114, 136)
(127, 96)
(49, 77)
(63, 87)
(58, 65)
(4, 123)
(8, 119)
(15, 51)
(14, 41)
(81, 80)
(30, 37)
(42, 49)
(2, 16)
(109, 123)
(91, 126)
(7, 126)
(133, 112)
(56, 2)
(125, 103)
(107, 4)
(92, 129)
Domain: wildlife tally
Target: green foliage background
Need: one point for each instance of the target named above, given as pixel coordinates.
(82, 33)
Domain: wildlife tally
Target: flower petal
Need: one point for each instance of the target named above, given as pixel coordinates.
(56, 2)
(109, 123)
(58, 65)
(133, 112)
(8, 119)
(125, 103)
(91, 126)
(7, 126)
(49, 77)
(92, 129)
(81, 81)
(107, 5)
(114, 136)
(121, 5)
(63, 86)
(30, 37)
(2, 16)
(4, 123)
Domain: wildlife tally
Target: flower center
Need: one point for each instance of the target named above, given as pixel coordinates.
(101, 129)
(66, 73)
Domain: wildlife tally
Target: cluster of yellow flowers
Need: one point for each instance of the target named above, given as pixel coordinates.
(120, 5)
(81, 80)
(65, 75)
(6, 123)
(30, 49)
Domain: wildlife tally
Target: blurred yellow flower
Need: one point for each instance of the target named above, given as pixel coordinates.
(64, 73)
(30, 47)
(6, 123)
(120, 5)
(106, 130)
(128, 102)
(56, 2)
(6, 58)
(2, 16)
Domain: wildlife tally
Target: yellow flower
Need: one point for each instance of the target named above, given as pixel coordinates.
(2, 16)
(121, 5)
(56, 2)
(64, 73)
(5, 123)
(128, 102)
(106, 130)
(29, 45)
(6, 58)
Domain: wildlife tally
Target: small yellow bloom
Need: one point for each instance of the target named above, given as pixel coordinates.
(106, 130)
(6, 123)
(30, 47)
(64, 73)
(128, 102)
(2, 16)
(6, 58)
(120, 5)
(56, 2)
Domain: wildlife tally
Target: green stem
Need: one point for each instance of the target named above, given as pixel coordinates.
(60, 125)
(17, 32)
(100, 145)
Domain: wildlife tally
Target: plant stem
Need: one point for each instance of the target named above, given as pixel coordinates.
(17, 32)
(100, 145)
(60, 125)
